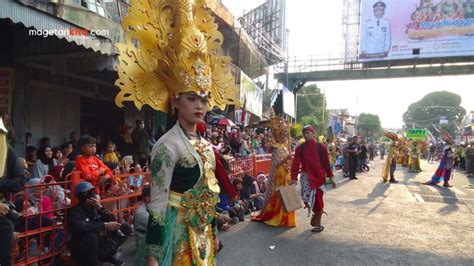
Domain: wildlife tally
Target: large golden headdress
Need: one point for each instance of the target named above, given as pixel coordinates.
(280, 128)
(172, 47)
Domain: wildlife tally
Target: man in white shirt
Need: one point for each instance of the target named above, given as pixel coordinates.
(375, 36)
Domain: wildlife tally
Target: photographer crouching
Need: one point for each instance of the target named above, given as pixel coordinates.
(95, 235)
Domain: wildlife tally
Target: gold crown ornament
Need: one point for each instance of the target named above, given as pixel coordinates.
(172, 47)
(280, 129)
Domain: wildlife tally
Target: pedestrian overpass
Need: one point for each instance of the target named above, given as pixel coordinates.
(298, 70)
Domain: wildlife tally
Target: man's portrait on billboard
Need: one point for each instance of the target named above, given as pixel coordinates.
(376, 34)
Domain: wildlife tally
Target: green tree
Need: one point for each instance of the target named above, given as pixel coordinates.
(369, 126)
(311, 108)
(426, 112)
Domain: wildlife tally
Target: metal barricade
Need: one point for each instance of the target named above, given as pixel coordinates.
(41, 232)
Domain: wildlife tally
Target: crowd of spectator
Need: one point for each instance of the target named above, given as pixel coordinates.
(47, 200)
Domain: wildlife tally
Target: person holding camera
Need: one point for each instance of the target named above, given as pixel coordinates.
(95, 234)
(9, 183)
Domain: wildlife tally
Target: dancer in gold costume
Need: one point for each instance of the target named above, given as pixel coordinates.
(172, 62)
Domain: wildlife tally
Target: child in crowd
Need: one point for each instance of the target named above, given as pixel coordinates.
(66, 150)
(56, 192)
(240, 207)
(57, 154)
(135, 181)
(262, 182)
(92, 168)
(125, 164)
(111, 155)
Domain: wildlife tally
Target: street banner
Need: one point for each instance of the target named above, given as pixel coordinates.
(417, 134)
(251, 95)
(443, 120)
(468, 130)
(405, 29)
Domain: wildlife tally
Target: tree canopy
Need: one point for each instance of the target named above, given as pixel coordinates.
(311, 108)
(426, 112)
(369, 126)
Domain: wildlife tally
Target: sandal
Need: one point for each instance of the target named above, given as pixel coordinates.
(318, 229)
(447, 185)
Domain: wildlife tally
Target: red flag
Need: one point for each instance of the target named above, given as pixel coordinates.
(242, 118)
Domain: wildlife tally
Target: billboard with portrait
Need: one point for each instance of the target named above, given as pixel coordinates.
(251, 96)
(404, 29)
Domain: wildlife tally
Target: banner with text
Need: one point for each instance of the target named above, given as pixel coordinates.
(417, 134)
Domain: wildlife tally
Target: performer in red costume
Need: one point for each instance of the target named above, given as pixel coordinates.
(312, 161)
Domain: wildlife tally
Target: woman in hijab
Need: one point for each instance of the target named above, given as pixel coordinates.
(44, 163)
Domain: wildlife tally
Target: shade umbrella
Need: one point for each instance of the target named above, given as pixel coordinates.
(224, 121)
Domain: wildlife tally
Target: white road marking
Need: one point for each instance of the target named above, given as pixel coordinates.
(418, 197)
(447, 197)
(458, 191)
(433, 188)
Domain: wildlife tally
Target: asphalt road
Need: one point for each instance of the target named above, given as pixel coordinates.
(368, 223)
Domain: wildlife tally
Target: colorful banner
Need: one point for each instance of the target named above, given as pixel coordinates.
(402, 29)
(251, 94)
(7, 76)
(417, 134)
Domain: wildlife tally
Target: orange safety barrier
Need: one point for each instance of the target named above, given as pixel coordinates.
(41, 232)
(239, 168)
(262, 163)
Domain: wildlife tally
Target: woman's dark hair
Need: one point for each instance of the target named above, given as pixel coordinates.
(237, 181)
(55, 150)
(171, 118)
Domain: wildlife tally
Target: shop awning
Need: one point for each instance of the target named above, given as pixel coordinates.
(37, 19)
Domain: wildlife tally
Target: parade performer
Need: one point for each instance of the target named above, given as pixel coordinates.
(273, 212)
(332, 150)
(172, 55)
(470, 159)
(391, 160)
(414, 160)
(443, 173)
(311, 159)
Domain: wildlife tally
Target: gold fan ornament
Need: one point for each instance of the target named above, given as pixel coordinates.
(172, 47)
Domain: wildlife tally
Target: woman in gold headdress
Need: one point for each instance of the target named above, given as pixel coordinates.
(273, 213)
(414, 160)
(390, 164)
(172, 57)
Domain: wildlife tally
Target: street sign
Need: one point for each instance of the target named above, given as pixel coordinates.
(417, 134)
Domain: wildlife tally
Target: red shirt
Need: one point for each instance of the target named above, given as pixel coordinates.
(223, 178)
(89, 167)
(308, 158)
